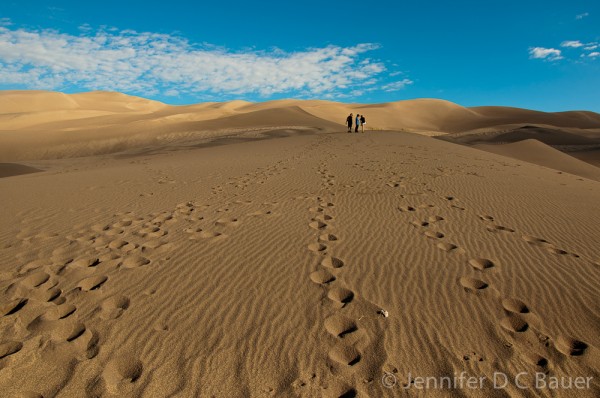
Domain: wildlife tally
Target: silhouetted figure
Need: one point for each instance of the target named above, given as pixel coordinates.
(357, 123)
(363, 121)
(349, 122)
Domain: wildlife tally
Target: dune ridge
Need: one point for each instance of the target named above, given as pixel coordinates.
(46, 125)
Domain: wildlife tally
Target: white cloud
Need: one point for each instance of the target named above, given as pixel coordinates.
(150, 63)
(590, 46)
(571, 43)
(581, 16)
(398, 85)
(594, 54)
(551, 54)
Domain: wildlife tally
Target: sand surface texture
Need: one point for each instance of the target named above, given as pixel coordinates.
(253, 253)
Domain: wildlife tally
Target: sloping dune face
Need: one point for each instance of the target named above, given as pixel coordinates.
(316, 265)
(47, 125)
(534, 151)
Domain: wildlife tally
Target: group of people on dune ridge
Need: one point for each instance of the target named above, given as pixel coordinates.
(360, 122)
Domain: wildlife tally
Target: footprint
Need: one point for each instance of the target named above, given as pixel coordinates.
(69, 331)
(210, 234)
(317, 225)
(151, 232)
(316, 247)
(554, 250)
(122, 245)
(345, 354)
(538, 361)
(514, 323)
(9, 347)
(515, 305)
(486, 218)
(322, 277)
(434, 235)
(339, 390)
(47, 295)
(419, 224)
(92, 283)
(12, 306)
(120, 373)
(85, 262)
(323, 217)
(447, 247)
(113, 307)
(499, 228)
(328, 238)
(472, 284)
(135, 262)
(406, 208)
(433, 219)
(340, 325)
(481, 263)
(260, 213)
(570, 346)
(534, 240)
(59, 312)
(340, 295)
(36, 279)
(153, 245)
(227, 222)
(332, 262)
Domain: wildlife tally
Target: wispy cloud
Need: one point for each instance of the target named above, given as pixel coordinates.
(583, 15)
(571, 48)
(594, 54)
(398, 85)
(150, 63)
(571, 43)
(550, 54)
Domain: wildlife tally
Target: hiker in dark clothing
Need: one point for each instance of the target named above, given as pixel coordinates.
(349, 123)
(363, 121)
(357, 123)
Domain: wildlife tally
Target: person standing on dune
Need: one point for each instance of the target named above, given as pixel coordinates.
(357, 123)
(349, 122)
(363, 121)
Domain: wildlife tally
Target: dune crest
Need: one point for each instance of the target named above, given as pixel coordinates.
(40, 125)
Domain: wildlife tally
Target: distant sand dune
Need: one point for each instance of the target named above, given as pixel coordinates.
(534, 151)
(46, 125)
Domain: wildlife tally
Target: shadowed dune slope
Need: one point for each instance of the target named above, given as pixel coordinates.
(534, 151)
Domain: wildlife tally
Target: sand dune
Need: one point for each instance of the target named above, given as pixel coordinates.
(534, 151)
(256, 249)
(46, 125)
(322, 264)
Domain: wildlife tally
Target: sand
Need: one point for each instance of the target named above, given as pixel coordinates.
(257, 252)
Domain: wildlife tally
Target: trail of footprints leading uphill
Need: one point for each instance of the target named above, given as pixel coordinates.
(523, 327)
(344, 355)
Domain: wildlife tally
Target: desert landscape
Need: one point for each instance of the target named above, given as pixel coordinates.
(240, 249)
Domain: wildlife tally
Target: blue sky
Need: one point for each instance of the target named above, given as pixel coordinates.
(541, 55)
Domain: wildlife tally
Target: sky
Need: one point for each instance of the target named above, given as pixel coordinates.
(542, 55)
